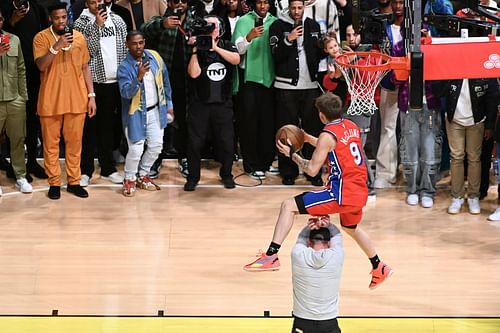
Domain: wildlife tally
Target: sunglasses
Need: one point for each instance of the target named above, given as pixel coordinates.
(175, 2)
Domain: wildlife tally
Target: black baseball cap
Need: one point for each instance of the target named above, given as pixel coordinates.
(321, 234)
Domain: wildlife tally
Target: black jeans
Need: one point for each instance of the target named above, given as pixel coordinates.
(98, 131)
(33, 130)
(255, 119)
(203, 119)
(315, 326)
(296, 107)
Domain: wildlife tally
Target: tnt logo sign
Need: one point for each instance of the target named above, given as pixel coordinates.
(492, 62)
(216, 71)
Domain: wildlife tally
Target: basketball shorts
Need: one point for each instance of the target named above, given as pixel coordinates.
(317, 203)
(315, 326)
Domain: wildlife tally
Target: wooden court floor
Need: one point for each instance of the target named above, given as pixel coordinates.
(182, 253)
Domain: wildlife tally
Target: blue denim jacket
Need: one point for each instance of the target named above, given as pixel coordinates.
(135, 121)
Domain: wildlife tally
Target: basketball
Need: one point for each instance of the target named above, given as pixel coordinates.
(292, 133)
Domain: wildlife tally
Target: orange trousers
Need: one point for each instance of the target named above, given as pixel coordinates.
(72, 130)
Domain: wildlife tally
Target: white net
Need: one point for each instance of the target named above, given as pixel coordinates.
(363, 72)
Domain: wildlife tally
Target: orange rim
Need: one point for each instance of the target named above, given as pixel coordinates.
(344, 61)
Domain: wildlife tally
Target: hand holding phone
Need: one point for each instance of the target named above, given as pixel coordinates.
(259, 21)
(4, 43)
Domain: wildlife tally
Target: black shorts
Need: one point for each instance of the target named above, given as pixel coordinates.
(315, 326)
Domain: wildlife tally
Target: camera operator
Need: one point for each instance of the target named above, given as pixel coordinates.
(210, 104)
(66, 95)
(168, 35)
(295, 45)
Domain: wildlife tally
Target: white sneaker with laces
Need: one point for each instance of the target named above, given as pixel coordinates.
(412, 199)
(115, 178)
(84, 180)
(427, 202)
(474, 207)
(455, 206)
(23, 185)
(495, 216)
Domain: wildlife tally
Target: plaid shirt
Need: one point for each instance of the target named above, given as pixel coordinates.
(163, 40)
(92, 33)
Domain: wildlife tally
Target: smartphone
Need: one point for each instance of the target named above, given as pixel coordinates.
(4, 39)
(297, 23)
(21, 4)
(144, 59)
(259, 21)
(344, 44)
(177, 12)
(101, 7)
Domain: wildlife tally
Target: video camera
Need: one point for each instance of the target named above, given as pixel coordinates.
(200, 28)
(372, 27)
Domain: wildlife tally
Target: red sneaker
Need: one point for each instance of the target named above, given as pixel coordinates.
(379, 275)
(264, 263)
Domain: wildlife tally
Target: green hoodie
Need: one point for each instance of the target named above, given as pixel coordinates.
(259, 65)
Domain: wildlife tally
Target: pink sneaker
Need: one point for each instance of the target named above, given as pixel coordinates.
(380, 274)
(263, 263)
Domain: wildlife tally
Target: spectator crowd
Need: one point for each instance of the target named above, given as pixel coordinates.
(140, 81)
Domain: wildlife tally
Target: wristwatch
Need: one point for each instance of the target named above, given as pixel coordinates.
(92, 94)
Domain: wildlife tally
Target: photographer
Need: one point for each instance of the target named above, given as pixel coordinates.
(66, 95)
(295, 45)
(210, 104)
(146, 102)
(105, 33)
(254, 81)
(167, 35)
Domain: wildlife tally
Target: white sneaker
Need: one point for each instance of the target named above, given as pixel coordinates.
(495, 216)
(381, 183)
(412, 199)
(427, 202)
(115, 178)
(84, 180)
(274, 170)
(456, 204)
(257, 175)
(23, 185)
(474, 207)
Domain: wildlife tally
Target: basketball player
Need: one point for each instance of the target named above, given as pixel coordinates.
(339, 144)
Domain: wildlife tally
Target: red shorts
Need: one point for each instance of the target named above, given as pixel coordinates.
(321, 203)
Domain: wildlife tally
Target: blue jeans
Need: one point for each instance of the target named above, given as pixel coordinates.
(138, 160)
(420, 150)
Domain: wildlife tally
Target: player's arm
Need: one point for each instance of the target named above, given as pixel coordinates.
(326, 142)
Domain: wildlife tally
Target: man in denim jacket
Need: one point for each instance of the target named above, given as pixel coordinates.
(146, 100)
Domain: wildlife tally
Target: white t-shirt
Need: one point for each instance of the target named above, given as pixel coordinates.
(108, 49)
(150, 89)
(463, 112)
(316, 277)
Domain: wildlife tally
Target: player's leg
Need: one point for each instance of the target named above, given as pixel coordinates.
(349, 222)
(314, 203)
(269, 261)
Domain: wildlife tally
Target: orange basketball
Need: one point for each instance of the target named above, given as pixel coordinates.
(292, 133)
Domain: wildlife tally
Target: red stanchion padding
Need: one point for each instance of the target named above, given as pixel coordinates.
(456, 58)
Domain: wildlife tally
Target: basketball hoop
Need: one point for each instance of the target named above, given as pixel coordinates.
(363, 72)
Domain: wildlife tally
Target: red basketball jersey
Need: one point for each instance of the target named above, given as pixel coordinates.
(347, 172)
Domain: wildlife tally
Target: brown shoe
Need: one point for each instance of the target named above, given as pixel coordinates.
(146, 183)
(128, 187)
